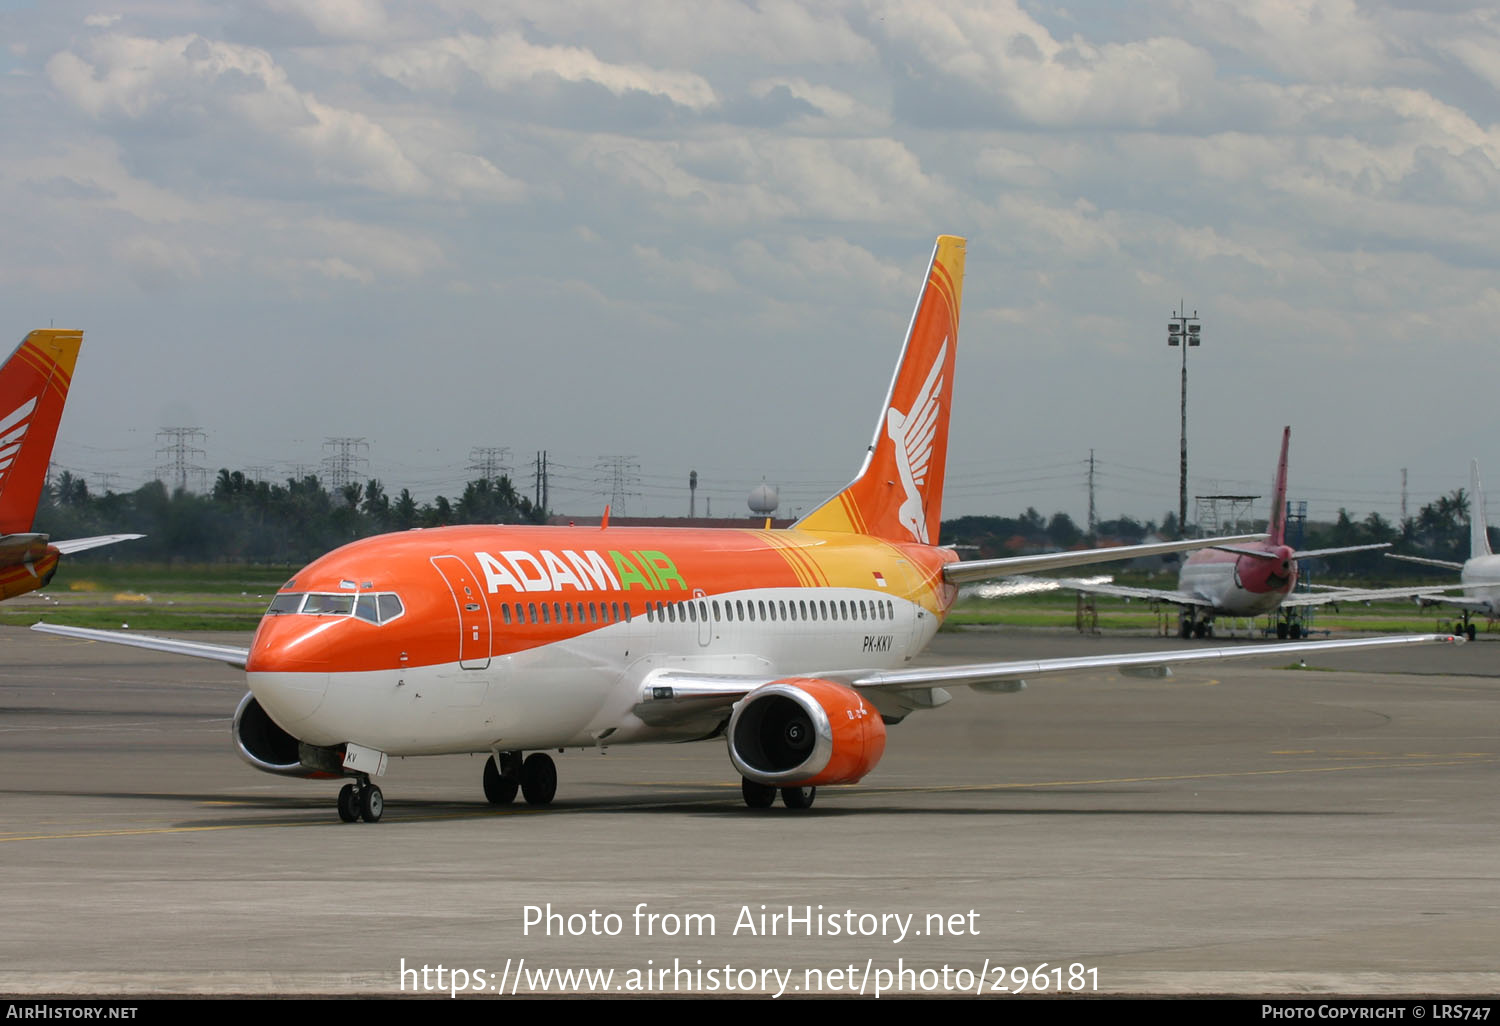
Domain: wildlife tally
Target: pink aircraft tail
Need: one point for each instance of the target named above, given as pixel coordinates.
(1277, 527)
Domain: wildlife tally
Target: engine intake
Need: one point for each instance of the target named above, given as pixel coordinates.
(270, 749)
(805, 732)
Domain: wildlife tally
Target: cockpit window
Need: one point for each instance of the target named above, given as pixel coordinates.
(368, 606)
(287, 602)
(390, 608)
(329, 605)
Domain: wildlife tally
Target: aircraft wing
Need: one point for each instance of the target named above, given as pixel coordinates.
(678, 696)
(1178, 598)
(1419, 592)
(984, 569)
(198, 649)
(1013, 586)
(1319, 553)
(1444, 563)
(1476, 605)
(82, 544)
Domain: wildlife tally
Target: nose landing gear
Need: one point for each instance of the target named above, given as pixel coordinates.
(361, 799)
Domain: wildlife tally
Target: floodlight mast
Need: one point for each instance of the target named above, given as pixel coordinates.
(1183, 331)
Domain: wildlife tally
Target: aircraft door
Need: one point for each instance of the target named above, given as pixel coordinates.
(700, 613)
(473, 611)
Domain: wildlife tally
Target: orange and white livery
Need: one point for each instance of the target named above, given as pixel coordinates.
(34, 384)
(794, 647)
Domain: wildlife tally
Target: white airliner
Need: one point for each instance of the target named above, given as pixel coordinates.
(1479, 575)
(1237, 580)
(793, 647)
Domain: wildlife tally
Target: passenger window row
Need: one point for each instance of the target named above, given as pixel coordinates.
(743, 611)
(565, 612)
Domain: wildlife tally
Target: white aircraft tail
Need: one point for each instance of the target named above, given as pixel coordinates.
(1479, 530)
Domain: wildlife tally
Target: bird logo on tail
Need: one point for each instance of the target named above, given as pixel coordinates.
(913, 434)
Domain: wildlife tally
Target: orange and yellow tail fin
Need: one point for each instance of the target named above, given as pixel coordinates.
(898, 493)
(33, 387)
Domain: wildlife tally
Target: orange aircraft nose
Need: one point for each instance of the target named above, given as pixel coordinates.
(290, 658)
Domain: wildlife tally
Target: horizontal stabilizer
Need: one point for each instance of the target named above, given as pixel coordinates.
(83, 544)
(984, 569)
(1261, 554)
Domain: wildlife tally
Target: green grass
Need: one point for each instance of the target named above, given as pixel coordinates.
(150, 597)
(203, 578)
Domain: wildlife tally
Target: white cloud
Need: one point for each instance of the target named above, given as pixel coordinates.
(836, 111)
(507, 62)
(338, 19)
(156, 264)
(191, 82)
(697, 274)
(807, 266)
(667, 32)
(779, 178)
(997, 58)
(1309, 40)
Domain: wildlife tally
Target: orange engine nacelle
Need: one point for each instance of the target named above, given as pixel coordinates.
(805, 732)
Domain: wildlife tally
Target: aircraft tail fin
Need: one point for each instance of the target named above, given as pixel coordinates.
(1277, 526)
(898, 493)
(34, 385)
(1479, 530)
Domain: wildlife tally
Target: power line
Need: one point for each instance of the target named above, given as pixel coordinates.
(619, 477)
(489, 461)
(180, 452)
(345, 466)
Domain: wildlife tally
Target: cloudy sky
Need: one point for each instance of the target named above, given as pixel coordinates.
(690, 234)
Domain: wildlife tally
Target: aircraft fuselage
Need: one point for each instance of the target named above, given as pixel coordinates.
(1231, 584)
(532, 638)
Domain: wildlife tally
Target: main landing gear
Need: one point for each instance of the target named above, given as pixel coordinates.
(535, 778)
(361, 800)
(763, 796)
(1189, 626)
(1467, 629)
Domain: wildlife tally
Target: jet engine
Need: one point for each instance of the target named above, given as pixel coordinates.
(270, 749)
(805, 732)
